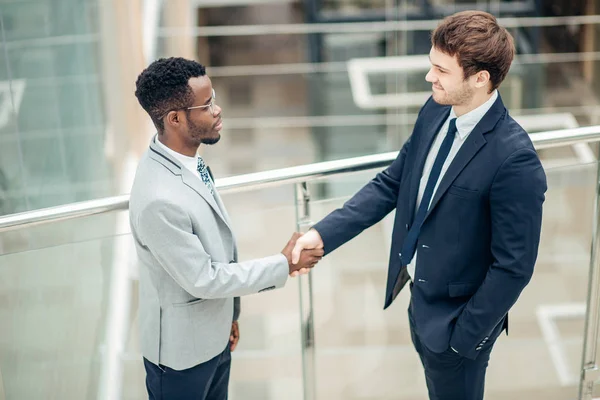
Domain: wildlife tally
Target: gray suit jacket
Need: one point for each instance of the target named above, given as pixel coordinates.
(189, 273)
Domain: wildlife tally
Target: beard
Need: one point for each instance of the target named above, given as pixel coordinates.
(202, 134)
(211, 140)
(459, 97)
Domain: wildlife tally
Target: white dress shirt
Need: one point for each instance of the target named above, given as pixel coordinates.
(190, 163)
(464, 125)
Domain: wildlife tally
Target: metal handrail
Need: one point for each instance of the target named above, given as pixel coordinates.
(2, 393)
(259, 180)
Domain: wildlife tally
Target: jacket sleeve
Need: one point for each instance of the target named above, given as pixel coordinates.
(367, 207)
(516, 198)
(370, 204)
(166, 230)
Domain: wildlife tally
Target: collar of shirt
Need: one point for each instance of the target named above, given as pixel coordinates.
(190, 163)
(465, 123)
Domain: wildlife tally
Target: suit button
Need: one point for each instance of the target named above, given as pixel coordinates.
(407, 226)
(479, 348)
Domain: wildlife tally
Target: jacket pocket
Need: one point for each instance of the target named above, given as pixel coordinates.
(462, 192)
(462, 289)
(189, 303)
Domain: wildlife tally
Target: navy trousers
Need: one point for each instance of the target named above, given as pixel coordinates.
(450, 376)
(206, 381)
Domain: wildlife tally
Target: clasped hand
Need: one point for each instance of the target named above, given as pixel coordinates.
(303, 252)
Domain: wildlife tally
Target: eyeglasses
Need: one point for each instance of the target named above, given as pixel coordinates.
(211, 105)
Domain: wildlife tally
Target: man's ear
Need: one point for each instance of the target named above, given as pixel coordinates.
(172, 118)
(482, 78)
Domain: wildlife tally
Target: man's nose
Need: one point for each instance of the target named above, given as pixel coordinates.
(430, 77)
(218, 111)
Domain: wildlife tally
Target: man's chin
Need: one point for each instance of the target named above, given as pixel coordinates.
(212, 140)
(441, 100)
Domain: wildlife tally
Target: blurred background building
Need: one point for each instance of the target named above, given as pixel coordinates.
(299, 81)
(281, 72)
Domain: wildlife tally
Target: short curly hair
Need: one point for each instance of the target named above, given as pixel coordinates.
(163, 87)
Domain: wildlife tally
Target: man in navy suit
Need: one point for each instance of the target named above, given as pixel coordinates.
(468, 189)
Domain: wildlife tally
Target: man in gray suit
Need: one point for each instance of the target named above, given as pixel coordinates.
(189, 272)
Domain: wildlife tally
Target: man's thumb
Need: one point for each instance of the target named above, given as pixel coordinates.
(296, 252)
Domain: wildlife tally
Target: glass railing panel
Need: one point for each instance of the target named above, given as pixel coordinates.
(268, 362)
(74, 283)
(55, 308)
(62, 301)
(62, 281)
(61, 233)
(360, 349)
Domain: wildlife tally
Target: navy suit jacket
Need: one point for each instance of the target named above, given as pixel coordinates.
(479, 242)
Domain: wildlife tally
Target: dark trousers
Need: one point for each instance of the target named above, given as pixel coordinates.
(206, 381)
(450, 376)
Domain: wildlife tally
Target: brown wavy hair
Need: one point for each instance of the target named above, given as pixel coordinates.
(478, 43)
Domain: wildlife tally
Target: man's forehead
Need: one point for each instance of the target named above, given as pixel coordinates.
(201, 85)
(440, 58)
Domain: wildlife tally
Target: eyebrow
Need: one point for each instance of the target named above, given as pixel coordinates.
(437, 66)
(208, 101)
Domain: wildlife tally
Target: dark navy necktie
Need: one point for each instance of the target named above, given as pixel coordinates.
(410, 243)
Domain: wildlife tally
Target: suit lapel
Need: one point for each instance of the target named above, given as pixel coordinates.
(187, 177)
(218, 198)
(468, 150)
(474, 142)
(227, 221)
(222, 208)
(199, 187)
(426, 142)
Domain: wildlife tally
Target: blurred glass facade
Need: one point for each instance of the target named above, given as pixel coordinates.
(52, 120)
(68, 116)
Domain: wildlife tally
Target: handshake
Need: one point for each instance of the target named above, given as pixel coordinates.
(303, 252)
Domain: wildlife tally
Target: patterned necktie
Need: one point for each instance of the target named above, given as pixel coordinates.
(203, 171)
(410, 243)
